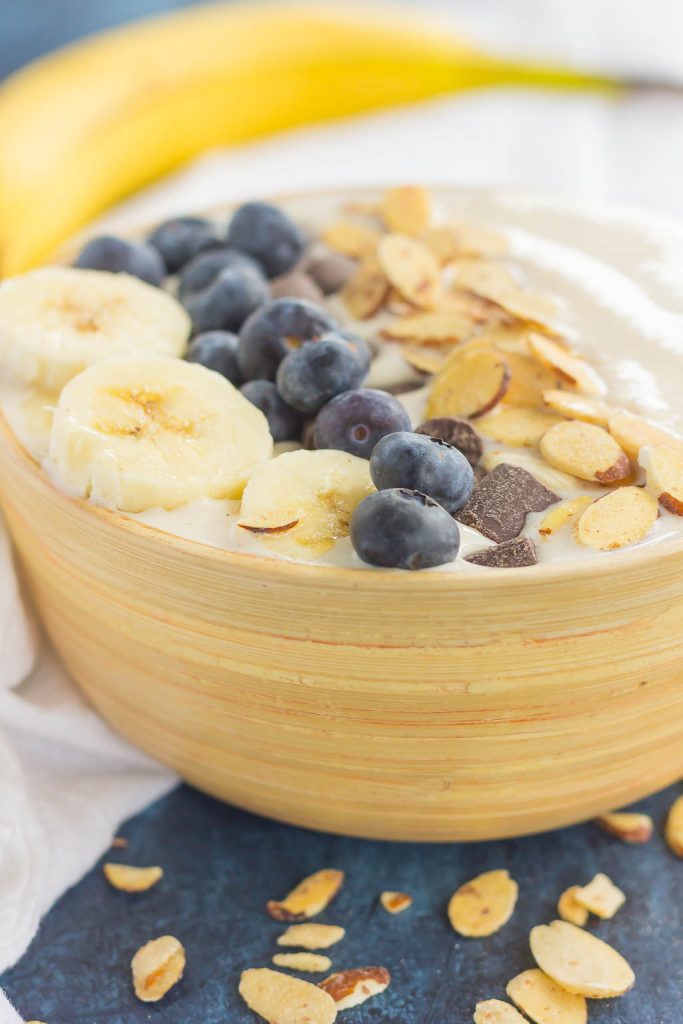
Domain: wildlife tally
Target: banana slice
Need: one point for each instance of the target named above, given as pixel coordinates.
(56, 321)
(146, 433)
(301, 503)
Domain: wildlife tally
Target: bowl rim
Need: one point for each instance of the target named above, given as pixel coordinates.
(286, 569)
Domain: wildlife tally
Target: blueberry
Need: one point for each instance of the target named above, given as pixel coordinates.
(274, 330)
(356, 420)
(284, 423)
(360, 346)
(217, 350)
(420, 463)
(227, 302)
(181, 238)
(403, 529)
(310, 376)
(205, 268)
(269, 235)
(120, 256)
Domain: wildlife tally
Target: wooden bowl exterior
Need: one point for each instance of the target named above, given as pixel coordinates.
(383, 704)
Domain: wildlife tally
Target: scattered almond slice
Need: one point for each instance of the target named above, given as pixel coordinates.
(157, 967)
(570, 909)
(521, 428)
(634, 432)
(119, 843)
(579, 407)
(600, 897)
(586, 451)
(575, 371)
(544, 1001)
(470, 385)
(309, 898)
(281, 999)
(431, 328)
(493, 281)
(629, 826)
(673, 832)
(479, 310)
(495, 1011)
(309, 963)
(366, 290)
(311, 936)
(509, 338)
(481, 907)
(663, 467)
(131, 879)
(530, 379)
(406, 209)
(623, 517)
(395, 902)
(539, 468)
(441, 243)
(477, 240)
(562, 514)
(424, 359)
(351, 238)
(411, 268)
(353, 987)
(580, 962)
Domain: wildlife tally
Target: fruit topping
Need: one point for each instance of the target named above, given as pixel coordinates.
(311, 375)
(180, 239)
(119, 256)
(267, 234)
(284, 422)
(274, 330)
(356, 420)
(403, 529)
(227, 301)
(417, 462)
(216, 350)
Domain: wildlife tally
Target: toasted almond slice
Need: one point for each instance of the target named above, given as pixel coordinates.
(433, 328)
(495, 1011)
(119, 843)
(623, 517)
(674, 827)
(544, 1002)
(309, 898)
(530, 378)
(131, 879)
(634, 432)
(157, 967)
(663, 467)
(539, 468)
(629, 826)
(441, 243)
(575, 371)
(600, 897)
(562, 514)
(469, 386)
(579, 407)
(351, 238)
(281, 999)
(309, 963)
(395, 902)
(493, 281)
(521, 428)
(586, 451)
(480, 311)
(477, 240)
(353, 987)
(411, 268)
(482, 906)
(270, 524)
(570, 909)
(366, 291)
(311, 936)
(426, 360)
(406, 209)
(580, 962)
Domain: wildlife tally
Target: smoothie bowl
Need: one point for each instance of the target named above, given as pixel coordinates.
(395, 547)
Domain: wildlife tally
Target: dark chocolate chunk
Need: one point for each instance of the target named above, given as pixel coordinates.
(499, 505)
(331, 271)
(511, 554)
(457, 432)
(296, 285)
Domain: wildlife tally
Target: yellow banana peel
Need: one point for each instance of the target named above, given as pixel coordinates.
(89, 124)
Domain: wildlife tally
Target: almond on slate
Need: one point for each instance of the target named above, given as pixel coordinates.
(600, 897)
(663, 466)
(570, 909)
(365, 292)
(157, 967)
(495, 1011)
(499, 505)
(471, 383)
(353, 987)
(297, 284)
(132, 879)
(623, 517)
(629, 826)
(580, 962)
(281, 999)
(311, 936)
(511, 554)
(482, 906)
(673, 832)
(411, 268)
(544, 1001)
(309, 898)
(586, 451)
(457, 432)
(307, 963)
(395, 902)
(406, 209)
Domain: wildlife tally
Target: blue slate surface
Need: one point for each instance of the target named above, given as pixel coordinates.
(222, 865)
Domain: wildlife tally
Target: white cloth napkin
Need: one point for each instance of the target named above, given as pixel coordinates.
(66, 782)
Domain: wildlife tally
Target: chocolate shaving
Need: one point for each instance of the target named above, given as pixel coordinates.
(499, 505)
(511, 554)
(457, 432)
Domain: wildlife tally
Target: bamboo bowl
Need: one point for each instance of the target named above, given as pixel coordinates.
(380, 704)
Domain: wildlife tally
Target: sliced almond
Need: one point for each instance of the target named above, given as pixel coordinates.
(629, 826)
(482, 906)
(308, 963)
(441, 242)
(432, 328)
(544, 1002)
(562, 514)
(426, 360)
(480, 311)
(311, 936)
(575, 371)
(663, 467)
(477, 240)
(406, 209)
(570, 909)
(623, 517)
(634, 433)
(411, 268)
(539, 468)
(351, 238)
(366, 290)
(493, 281)
(530, 379)
(600, 897)
(281, 999)
(495, 1011)
(509, 338)
(131, 879)
(470, 385)
(586, 451)
(352, 988)
(521, 428)
(395, 902)
(580, 962)
(579, 407)
(157, 967)
(309, 898)
(674, 827)
(270, 524)
(119, 843)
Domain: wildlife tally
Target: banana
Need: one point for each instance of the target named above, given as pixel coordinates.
(56, 321)
(301, 502)
(91, 123)
(135, 434)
